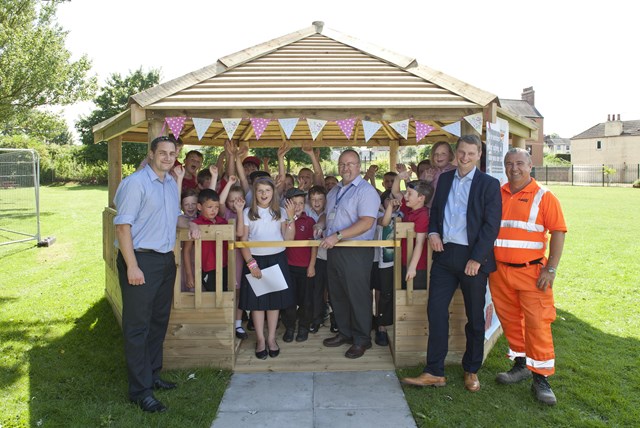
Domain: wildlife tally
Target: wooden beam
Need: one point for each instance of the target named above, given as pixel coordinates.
(393, 154)
(114, 156)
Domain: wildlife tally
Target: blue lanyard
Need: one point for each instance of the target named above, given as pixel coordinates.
(339, 198)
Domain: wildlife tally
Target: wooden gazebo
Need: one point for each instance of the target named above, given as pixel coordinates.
(314, 73)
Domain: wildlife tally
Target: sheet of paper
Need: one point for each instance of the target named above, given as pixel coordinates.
(272, 280)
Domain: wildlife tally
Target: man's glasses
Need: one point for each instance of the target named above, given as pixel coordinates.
(348, 165)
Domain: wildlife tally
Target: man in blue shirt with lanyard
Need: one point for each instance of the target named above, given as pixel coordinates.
(463, 226)
(148, 213)
(352, 208)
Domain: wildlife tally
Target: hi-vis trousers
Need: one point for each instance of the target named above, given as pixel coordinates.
(526, 314)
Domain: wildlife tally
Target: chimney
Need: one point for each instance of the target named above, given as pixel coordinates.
(618, 116)
(529, 95)
(613, 127)
(609, 118)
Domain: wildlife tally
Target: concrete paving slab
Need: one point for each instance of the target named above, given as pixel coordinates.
(360, 418)
(268, 392)
(279, 419)
(352, 390)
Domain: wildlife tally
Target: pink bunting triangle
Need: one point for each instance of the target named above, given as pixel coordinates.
(176, 124)
(422, 130)
(347, 125)
(259, 125)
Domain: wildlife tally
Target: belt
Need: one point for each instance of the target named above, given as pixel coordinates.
(144, 250)
(527, 264)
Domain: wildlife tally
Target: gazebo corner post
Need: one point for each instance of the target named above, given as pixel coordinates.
(114, 159)
(393, 154)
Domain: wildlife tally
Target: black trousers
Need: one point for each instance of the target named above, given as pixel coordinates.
(319, 285)
(384, 317)
(145, 317)
(447, 273)
(349, 273)
(302, 310)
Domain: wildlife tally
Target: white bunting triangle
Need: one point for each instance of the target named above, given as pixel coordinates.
(315, 127)
(288, 125)
(475, 120)
(201, 124)
(401, 127)
(370, 128)
(230, 125)
(453, 128)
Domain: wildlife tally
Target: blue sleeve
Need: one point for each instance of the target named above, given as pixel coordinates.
(128, 197)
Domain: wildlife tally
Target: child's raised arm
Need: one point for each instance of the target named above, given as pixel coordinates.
(225, 194)
(314, 155)
(395, 188)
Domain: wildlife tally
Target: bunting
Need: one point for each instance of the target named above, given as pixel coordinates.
(176, 124)
(475, 120)
(259, 125)
(230, 125)
(370, 128)
(453, 128)
(401, 127)
(288, 125)
(347, 125)
(422, 130)
(315, 127)
(201, 125)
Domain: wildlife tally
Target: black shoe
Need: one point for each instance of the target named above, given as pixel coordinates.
(382, 338)
(542, 390)
(303, 334)
(262, 355)
(288, 335)
(313, 328)
(334, 326)
(241, 334)
(250, 326)
(274, 352)
(163, 384)
(151, 404)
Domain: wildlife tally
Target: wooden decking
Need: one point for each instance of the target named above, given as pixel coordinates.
(310, 356)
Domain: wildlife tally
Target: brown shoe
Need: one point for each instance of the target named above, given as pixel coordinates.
(356, 351)
(425, 379)
(471, 382)
(336, 341)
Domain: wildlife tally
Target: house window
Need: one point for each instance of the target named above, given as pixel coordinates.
(598, 145)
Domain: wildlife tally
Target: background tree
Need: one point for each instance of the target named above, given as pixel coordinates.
(35, 66)
(112, 99)
(43, 126)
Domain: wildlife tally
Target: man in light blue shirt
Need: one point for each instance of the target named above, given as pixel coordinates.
(352, 208)
(463, 226)
(148, 213)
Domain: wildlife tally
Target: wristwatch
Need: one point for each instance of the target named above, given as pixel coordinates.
(339, 235)
(551, 269)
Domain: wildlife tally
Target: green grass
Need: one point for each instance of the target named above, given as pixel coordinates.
(596, 334)
(61, 359)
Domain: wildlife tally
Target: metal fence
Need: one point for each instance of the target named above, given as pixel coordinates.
(19, 196)
(588, 175)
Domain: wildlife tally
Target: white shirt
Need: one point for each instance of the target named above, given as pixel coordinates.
(265, 228)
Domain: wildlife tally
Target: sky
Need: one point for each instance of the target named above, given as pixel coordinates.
(580, 60)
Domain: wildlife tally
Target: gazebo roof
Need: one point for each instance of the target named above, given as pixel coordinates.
(314, 73)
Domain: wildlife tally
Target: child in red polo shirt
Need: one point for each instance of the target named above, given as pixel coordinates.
(302, 262)
(209, 207)
(415, 199)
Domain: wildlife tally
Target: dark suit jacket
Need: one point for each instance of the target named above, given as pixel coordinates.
(484, 212)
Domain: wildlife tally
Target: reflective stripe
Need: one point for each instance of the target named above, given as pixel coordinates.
(528, 226)
(535, 207)
(547, 364)
(512, 243)
(513, 354)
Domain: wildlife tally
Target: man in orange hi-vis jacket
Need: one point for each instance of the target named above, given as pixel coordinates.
(521, 287)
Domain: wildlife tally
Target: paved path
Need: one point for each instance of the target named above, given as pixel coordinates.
(318, 400)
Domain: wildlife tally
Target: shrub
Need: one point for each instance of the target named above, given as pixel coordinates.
(636, 184)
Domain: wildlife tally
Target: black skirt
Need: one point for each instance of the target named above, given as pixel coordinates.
(271, 301)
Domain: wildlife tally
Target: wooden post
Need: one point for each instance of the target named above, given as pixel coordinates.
(393, 154)
(518, 142)
(114, 156)
(155, 127)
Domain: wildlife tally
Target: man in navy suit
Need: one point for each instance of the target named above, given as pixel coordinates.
(463, 226)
